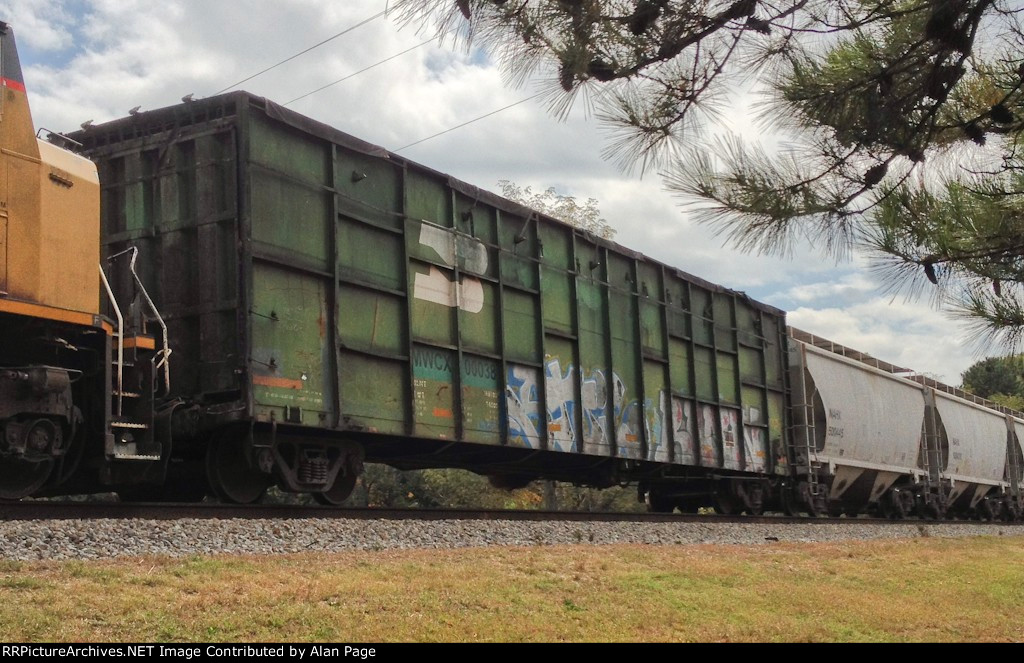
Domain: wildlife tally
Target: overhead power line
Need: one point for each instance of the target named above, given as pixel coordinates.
(475, 119)
(364, 69)
(314, 46)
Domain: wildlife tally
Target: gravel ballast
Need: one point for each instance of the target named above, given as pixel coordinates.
(110, 538)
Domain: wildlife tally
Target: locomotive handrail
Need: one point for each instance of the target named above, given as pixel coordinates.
(120, 338)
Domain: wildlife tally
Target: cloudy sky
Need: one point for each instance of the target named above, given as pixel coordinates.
(95, 59)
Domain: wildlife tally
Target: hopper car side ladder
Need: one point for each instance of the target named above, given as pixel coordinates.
(804, 434)
(931, 455)
(136, 364)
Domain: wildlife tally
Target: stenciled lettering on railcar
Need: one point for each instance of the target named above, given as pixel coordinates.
(434, 360)
(834, 414)
(479, 368)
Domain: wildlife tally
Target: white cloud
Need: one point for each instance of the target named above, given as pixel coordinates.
(41, 24)
(853, 285)
(909, 334)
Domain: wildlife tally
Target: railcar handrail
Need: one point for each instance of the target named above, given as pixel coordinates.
(164, 353)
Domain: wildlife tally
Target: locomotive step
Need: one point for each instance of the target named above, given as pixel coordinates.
(137, 457)
(128, 424)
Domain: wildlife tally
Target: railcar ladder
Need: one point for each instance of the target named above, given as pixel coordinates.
(136, 363)
(931, 452)
(805, 431)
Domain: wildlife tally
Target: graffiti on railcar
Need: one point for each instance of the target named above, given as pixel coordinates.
(732, 450)
(628, 420)
(683, 426)
(595, 413)
(522, 406)
(561, 402)
(707, 430)
(755, 447)
(658, 437)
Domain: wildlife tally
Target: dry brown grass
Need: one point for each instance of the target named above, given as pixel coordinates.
(917, 590)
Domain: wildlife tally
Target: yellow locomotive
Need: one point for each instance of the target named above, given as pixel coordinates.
(76, 387)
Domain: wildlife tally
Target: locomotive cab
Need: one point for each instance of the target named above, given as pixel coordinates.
(49, 212)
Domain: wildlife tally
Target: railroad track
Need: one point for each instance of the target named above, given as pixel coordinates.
(68, 510)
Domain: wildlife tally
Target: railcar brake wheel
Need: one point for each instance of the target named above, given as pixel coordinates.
(20, 478)
(343, 486)
(230, 476)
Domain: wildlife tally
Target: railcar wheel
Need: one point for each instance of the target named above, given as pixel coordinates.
(816, 508)
(725, 504)
(690, 506)
(751, 494)
(230, 476)
(897, 504)
(790, 503)
(659, 503)
(931, 511)
(20, 478)
(817, 505)
(342, 489)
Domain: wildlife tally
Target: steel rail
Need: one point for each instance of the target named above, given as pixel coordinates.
(68, 510)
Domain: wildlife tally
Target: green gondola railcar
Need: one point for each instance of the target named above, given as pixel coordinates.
(328, 302)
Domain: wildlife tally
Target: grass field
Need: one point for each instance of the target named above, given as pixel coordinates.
(923, 589)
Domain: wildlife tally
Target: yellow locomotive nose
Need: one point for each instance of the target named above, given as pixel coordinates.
(49, 211)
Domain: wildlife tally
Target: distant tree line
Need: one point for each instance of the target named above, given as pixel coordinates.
(999, 379)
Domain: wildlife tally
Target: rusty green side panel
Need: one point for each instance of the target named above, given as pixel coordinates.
(292, 363)
(458, 317)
